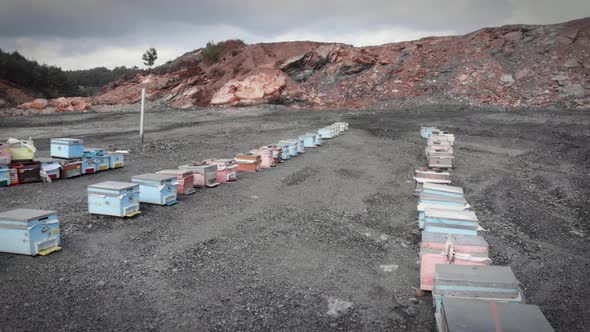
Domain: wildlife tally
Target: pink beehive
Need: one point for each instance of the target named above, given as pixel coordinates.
(461, 243)
(226, 169)
(266, 155)
(466, 251)
(4, 154)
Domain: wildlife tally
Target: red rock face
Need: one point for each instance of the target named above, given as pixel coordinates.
(511, 66)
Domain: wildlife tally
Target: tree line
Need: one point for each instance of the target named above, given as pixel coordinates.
(51, 81)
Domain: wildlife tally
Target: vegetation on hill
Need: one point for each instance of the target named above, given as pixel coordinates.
(51, 81)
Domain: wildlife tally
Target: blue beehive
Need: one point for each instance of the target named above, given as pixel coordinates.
(442, 190)
(111, 198)
(442, 202)
(317, 138)
(292, 150)
(67, 148)
(327, 132)
(89, 165)
(93, 152)
(51, 167)
(29, 232)
(475, 282)
(286, 154)
(426, 131)
(117, 159)
(309, 141)
(156, 188)
(301, 144)
(103, 163)
(4, 176)
(455, 227)
(446, 216)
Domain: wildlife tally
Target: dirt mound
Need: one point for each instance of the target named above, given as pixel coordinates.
(11, 94)
(510, 66)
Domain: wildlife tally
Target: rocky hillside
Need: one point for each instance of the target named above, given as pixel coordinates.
(513, 66)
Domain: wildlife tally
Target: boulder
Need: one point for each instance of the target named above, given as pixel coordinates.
(571, 63)
(254, 89)
(507, 79)
(39, 104)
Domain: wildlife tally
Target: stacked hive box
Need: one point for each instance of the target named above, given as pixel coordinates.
(468, 294)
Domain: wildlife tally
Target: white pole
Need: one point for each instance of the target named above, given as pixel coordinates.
(141, 117)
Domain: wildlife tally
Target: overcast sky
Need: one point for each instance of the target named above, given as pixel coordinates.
(75, 34)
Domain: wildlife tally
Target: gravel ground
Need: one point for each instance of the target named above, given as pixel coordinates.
(326, 241)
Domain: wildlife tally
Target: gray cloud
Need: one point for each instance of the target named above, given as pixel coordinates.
(82, 27)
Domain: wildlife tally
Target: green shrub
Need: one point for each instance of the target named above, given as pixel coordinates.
(212, 52)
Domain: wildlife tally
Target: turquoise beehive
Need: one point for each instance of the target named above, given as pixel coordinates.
(111, 198)
(67, 148)
(29, 232)
(156, 188)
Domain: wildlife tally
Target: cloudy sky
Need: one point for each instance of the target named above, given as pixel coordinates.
(77, 34)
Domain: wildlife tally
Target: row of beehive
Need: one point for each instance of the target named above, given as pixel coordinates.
(69, 158)
(468, 293)
(36, 232)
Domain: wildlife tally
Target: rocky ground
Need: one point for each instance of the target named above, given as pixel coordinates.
(326, 241)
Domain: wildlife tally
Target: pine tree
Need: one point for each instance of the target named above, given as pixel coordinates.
(149, 57)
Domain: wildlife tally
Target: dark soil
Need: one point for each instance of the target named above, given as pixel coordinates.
(268, 251)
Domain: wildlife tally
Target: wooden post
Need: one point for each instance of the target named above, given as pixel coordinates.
(142, 112)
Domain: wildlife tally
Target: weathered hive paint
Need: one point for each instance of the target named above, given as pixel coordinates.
(301, 144)
(67, 148)
(89, 165)
(71, 167)
(13, 177)
(426, 131)
(424, 174)
(51, 167)
(4, 176)
(184, 179)
(226, 169)
(467, 315)
(327, 132)
(465, 228)
(4, 154)
(111, 198)
(442, 190)
(285, 154)
(430, 258)
(117, 160)
(309, 141)
(267, 160)
(461, 243)
(440, 162)
(27, 171)
(204, 175)
(293, 146)
(437, 201)
(29, 232)
(317, 138)
(93, 152)
(447, 216)
(248, 162)
(103, 163)
(156, 188)
(276, 153)
(476, 282)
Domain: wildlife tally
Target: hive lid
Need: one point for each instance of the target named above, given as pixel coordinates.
(459, 239)
(174, 171)
(25, 215)
(443, 187)
(153, 177)
(94, 149)
(67, 140)
(46, 160)
(450, 214)
(477, 274)
(433, 197)
(463, 315)
(113, 185)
